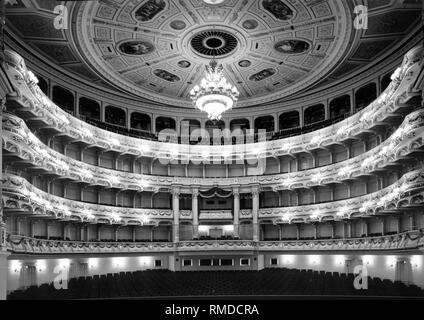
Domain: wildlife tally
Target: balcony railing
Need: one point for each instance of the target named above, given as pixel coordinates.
(31, 99)
(411, 240)
(20, 195)
(18, 140)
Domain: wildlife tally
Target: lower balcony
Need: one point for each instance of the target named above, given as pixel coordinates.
(411, 241)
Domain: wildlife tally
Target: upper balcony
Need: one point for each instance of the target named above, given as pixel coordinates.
(32, 104)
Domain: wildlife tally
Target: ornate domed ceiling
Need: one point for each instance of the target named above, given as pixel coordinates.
(156, 50)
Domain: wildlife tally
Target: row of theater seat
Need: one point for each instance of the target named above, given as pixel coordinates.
(268, 282)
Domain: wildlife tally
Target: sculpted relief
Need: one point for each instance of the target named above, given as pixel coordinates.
(149, 10)
(136, 47)
(292, 46)
(278, 9)
(262, 75)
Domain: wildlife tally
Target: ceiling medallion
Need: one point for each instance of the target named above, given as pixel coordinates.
(214, 95)
(214, 43)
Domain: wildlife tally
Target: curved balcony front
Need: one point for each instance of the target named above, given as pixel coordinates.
(411, 241)
(29, 99)
(20, 196)
(404, 143)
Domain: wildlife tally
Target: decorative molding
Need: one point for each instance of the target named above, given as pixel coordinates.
(20, 195)
(29, 97)
(407, 192)
(18, 140)
(412, 240)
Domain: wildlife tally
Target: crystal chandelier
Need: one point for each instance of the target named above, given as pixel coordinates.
(214, 95)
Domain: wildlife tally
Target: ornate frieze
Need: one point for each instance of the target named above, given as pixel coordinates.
(412, 240)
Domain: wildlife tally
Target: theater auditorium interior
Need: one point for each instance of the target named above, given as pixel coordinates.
(211, 148)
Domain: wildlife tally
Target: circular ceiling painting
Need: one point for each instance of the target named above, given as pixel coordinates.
(158, 49)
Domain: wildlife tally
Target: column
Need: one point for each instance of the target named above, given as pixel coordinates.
(301, 119)
(411, 222)
(236, 194)
(348, 151)
(383, 226)
(152, 230)
(31, 228)
(81, 229)
(128, 119)
(333, 230)
(64, 230)
(315, 231)
(398, 224)
(18, 225)
(116, 234)
(276, 128)
(298, 231)
(195, 211)
(99, 229)
(365, 227)
(134, 233)
(255, 212)
(280, 231)
(314, 195)
(176, 210)
(134, 165)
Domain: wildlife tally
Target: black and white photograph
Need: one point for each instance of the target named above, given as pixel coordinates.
(227, 153)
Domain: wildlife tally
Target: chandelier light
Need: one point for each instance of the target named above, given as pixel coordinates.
(215, 95)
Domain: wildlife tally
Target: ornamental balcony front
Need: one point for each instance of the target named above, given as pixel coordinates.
(413, 241)
(18, 140)
(28, 98)
(20, 196)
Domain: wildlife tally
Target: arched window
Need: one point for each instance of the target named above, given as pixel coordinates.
(163, 123)
(141, 121)
(63, 98)
(242, 124)
(43, 85)
(265, 123)
(314, 114)
(89, 108)
(385, 81)
(116, 116)
(289, 120)
(339, 106)
(365, 96)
